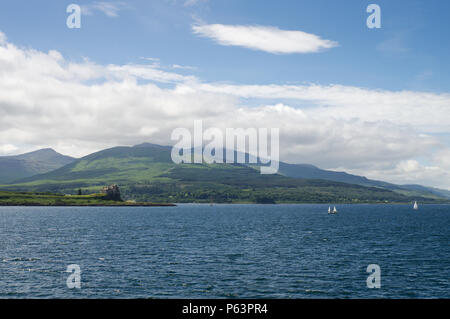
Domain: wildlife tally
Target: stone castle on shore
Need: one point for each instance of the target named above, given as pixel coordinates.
(112, 192)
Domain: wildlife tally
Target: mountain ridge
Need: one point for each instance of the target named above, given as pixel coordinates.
(16, 167)
(146, 171)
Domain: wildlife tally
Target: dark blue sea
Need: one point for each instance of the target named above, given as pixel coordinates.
(225, 251)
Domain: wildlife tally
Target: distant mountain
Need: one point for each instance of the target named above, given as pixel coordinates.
(433, 190)
(120, 164)
(147, 172)
(311, 171)
(17, 167)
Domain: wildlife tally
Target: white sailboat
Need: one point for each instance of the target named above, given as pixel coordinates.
(415, 205)
(334, 210)
(329, 210)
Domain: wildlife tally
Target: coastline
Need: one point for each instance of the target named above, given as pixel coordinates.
(59, 200)
(8, 198)
(193, 203)
(88, 205)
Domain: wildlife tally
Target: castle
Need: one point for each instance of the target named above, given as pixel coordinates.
(112, 192)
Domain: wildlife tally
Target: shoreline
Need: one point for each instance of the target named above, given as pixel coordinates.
(321, 203)
(222, 204)
(89, 205)
(203, 204)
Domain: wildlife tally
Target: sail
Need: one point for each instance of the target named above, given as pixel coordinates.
(334, 209)
(329, 209)
(415, 205)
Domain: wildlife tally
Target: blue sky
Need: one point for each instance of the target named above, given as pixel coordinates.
(374, 102)
(408, 52)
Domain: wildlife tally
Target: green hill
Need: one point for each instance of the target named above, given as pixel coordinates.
(17, 167)
(146, 173)
(311, 171)
(49, 199)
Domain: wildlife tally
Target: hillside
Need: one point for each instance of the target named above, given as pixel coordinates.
(146, 173)
(49, 199)
(17, 167)
(311, 171)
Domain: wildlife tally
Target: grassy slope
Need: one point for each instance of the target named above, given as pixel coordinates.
(310, 171)
(243, 184)
(49, 199)
(13, 168)
(148, 174)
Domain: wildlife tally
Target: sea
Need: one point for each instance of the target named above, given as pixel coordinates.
(225, 251)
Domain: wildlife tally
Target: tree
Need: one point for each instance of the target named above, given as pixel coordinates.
(79, 191)
(264, 200)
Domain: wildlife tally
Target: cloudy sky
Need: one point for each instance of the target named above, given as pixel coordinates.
(374, 102)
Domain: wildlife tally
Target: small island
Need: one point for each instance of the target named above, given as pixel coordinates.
(110, 196)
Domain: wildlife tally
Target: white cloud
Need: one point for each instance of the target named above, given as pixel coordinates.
(410, 172)
(442, 158)
(150, 59)
(190, 3)
(423, 111)
(6, 149)
(82, 107)
(110, 9)
(183, 67)
(264, 38)
(394, 44)
(2, 38)
(156, 63)
(146, 73)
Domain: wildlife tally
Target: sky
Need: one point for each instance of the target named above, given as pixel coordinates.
(373, 102)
